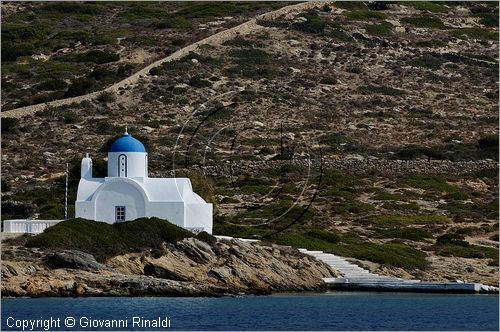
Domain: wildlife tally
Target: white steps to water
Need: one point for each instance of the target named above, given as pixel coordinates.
(350, 272)
(354, 277)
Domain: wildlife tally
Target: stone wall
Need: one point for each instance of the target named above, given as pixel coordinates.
(368, 166)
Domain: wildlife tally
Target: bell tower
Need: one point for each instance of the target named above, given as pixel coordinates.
(127, 158)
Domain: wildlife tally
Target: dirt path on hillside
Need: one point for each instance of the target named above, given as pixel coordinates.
(216, 39)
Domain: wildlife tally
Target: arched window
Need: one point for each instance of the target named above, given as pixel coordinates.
(122, 166)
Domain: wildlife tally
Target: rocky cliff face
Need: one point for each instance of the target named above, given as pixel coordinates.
(188, 268)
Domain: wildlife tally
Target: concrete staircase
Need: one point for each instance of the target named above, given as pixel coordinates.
(351, 273)
(356, 278)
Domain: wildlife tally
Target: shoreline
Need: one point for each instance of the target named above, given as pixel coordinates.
(188, 268)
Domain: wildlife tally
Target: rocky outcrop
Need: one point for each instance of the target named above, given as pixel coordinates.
(235, 265)
(188, 268)
(73, 259)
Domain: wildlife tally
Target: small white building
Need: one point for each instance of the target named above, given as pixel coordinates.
(127, 193)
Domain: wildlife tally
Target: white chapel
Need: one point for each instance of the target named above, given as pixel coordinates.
(128, 193)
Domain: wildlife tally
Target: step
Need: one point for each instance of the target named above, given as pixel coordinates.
(358, 273)
(345, 266)
(350, 269)
(338, 262)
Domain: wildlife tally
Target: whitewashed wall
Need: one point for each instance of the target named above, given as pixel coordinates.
(136, 164)
(119, 193)
(27, 226)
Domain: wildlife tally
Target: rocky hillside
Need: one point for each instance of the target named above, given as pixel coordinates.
(188, 268)
(51, 51)
(369, 131)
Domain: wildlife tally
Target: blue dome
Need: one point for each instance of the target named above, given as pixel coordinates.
(127, 143)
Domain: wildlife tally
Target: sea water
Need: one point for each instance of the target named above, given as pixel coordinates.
(325, 311)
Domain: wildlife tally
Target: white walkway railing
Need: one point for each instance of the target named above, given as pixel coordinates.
(27, 225)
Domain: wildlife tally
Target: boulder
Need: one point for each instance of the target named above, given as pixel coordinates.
(73, 259)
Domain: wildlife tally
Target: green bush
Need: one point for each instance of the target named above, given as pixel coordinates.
(323, 235)
(102, 73)
(354, 69)
(386, 196)
(52, 84)
(384, 28)
(431, 43)
(364, 15)
(144, 10)
(251, 71)
(488, 19)
(207, 238)
(81, 87)
(5, 186)
(385, 90)
(329, 80)
(106, 97)
(9, 125)
(402, 220)
(427, 61)
(414, 151)
(351, 5)
(409, 206)
(489, 146)
(326, 8)
(225, 226)
(352, 206)
(314, 23)
(11, 51)
(469, 251)
(340, 35)
(336, 179)
(424, 22)
(106, 240)
(455, 239)
(200, 9)
(173, 22)
(487, 210)
(68, 7)
(252, 56)
(433, 182)
(19, 32)
(394, 254)
(284, 211)
(197, 82)
(483, 57)
(95, 56)
(490, 173)
(155, 71)
(239, 41)
(408, 233)
(475, 33)
(71, 117)
(427, 6)
(300, 241)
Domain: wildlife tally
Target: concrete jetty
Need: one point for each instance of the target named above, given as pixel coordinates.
(354, 277)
